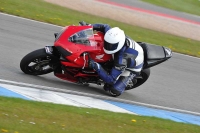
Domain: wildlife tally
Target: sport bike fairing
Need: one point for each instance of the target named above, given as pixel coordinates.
(74, 41)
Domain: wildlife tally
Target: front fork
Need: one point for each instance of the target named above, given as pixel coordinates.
(49, 50)
(55, 62)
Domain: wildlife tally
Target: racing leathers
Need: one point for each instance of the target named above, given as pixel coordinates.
(128, 62)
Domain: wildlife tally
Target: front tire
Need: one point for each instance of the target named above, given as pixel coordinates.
(37, 63)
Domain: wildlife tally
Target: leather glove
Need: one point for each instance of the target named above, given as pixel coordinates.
(82, 23)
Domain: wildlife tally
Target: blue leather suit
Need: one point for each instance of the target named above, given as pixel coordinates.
(127, 59)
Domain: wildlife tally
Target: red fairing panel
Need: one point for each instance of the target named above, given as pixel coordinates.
(80, 39)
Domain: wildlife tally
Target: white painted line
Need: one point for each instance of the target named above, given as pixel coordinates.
(30, 20)
(95, 96)
(63, 98)
(186, 55)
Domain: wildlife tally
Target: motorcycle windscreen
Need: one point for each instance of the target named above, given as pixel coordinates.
(84, 37)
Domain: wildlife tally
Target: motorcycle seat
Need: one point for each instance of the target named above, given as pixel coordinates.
(152, 52)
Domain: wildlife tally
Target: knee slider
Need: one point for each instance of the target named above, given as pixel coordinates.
(114, 92)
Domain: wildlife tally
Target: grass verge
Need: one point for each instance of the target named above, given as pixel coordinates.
(23, 116)
(46, 12)
(188, 6)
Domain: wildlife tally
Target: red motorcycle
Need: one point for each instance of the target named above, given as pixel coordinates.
(73, 46)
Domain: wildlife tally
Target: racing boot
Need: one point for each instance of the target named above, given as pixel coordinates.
(120, 85)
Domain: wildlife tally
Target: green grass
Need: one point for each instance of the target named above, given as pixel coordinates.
(23, 116)
(46, 12)
(188, 6)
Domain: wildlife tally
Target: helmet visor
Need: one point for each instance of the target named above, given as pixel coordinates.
(110, 46)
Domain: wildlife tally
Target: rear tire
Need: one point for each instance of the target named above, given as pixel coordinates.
(36, 63)
(145, 75)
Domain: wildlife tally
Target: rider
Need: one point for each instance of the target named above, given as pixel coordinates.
(128, 59)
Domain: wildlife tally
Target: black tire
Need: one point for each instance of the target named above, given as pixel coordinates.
(145, 75)
(40, 59)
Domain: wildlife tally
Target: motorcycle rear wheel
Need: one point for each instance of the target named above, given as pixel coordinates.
(36, 63)
(144, 74)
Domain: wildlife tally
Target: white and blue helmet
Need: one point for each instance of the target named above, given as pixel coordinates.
(114, 40)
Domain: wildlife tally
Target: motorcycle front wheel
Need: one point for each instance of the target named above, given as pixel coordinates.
(36, 63)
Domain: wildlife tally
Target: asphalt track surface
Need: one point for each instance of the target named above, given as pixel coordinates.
(173, 84)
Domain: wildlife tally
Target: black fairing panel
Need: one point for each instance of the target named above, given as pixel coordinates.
(63, 51)
(153, 54)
